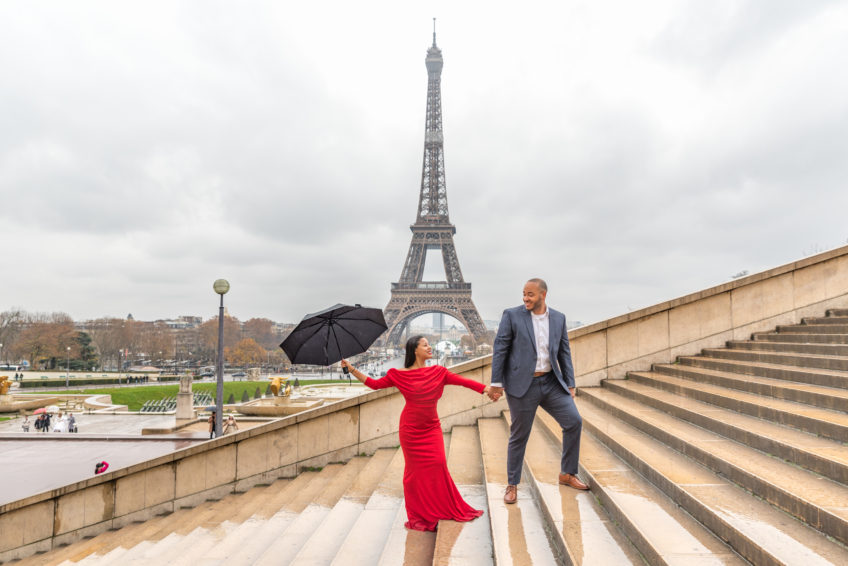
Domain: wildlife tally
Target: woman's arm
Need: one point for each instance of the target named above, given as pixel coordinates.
(454, 379)
(381, 383)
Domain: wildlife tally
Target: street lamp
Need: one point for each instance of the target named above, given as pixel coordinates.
(68, 367)
(221, 286)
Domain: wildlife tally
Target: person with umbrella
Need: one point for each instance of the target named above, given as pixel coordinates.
(429, 491)
(212, 424)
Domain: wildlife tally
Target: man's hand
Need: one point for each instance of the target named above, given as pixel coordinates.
(573, 391)
(494, 392)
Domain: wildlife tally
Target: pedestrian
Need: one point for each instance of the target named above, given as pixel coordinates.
(59, 425)
(46, 424)
(212, 425)
(25, 424)
(531, 360)
(72, 423)
(230, 426)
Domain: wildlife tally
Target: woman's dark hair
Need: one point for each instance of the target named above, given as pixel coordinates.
(411, 345)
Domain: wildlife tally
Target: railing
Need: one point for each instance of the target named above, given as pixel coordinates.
(434, 285)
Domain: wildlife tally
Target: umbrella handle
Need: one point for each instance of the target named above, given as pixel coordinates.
(345, 370)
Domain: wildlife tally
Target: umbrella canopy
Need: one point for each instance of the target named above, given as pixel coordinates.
(325, 337)
(39, 411)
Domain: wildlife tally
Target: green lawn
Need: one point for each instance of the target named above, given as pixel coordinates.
(135, 397)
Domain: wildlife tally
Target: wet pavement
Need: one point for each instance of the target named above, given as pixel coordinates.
(31, 467)
(35, 462)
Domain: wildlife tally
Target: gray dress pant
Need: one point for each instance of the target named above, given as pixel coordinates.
(546, 392)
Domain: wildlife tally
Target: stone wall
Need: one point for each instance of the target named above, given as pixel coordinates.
(709, 318)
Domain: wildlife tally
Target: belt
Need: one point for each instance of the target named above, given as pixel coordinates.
(541, 373)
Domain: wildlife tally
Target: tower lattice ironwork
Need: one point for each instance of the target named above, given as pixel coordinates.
(412, 296)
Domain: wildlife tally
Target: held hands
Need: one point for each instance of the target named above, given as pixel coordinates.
(493, 392)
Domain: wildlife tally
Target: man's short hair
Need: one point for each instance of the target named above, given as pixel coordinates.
(540, 282)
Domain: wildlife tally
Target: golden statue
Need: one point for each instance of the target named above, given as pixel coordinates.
(5, 384)
(279, 388)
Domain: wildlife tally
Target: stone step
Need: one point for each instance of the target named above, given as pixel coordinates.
(209, 530)
(579, 527)
(161, 543)
(818, 396)
(236, 522)
(815, 453)
(837, 312)
(367, 538)
(188, 549)
(657, 526)
(104, 547)
(468, 543)
(813, 329)
(801, 338)
(816, 500)
(77, 551)
(827, 378)
(756, 530)
(109, 540)
(518, 530)
(272, 519)
(797, 347)
(825, 320)
(410, 548)
(824, 422)
(310, 514)
(319, 510)
(220, 553)
(323, 545)
(819, 361)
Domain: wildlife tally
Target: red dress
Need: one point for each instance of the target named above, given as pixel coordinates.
(428, 488)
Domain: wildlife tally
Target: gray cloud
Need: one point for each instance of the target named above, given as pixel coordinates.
(147, 150)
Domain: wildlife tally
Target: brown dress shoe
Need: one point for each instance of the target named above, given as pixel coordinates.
(571, 481)
(511, 494)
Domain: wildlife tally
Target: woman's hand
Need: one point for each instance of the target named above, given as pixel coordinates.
(346, 364)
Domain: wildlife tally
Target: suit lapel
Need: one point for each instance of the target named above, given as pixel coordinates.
(554, 330)
(528, 321)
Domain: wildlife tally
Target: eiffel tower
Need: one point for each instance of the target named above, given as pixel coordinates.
(412, 296)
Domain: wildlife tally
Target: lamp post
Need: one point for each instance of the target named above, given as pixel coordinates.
(68, 367)
(221, 286)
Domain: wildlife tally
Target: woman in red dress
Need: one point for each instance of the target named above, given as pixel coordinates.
(428, 489)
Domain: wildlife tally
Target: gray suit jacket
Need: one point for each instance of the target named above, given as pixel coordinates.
(514, 356)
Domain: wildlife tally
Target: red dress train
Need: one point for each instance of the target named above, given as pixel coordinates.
(428, 488)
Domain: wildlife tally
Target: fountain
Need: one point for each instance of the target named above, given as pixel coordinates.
(10, 403)
(284, 402)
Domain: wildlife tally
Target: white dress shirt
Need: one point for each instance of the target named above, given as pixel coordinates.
(541, 331)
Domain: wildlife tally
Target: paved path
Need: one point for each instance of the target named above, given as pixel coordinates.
(29, 467)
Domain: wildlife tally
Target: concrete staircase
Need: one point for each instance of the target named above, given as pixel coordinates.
(735, 456)
(749, 441)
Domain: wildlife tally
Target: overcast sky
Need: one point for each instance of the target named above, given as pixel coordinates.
(627, 152)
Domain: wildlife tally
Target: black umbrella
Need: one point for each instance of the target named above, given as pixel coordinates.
(341, 331)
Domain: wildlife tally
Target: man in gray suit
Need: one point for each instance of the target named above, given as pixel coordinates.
(532, 362)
